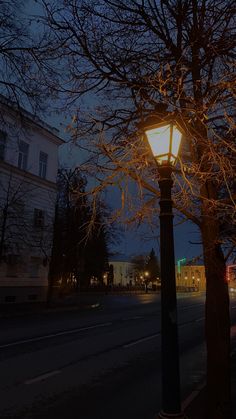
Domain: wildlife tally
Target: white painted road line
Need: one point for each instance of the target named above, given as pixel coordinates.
(132, 318)
(42, 377)
(141, 340)
(65, 332)
(182, 325)
(191, 306)
(158, 334)
(199, 320)
(136, 317)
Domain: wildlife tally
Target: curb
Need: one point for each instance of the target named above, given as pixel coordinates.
(194, 410)
(192, 396)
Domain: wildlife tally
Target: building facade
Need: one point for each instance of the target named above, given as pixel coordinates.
(28, 172)
(123, 272)
(190, 278)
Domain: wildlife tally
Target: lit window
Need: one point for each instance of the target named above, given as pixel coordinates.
(23, 155)
(3, 137)
(43, 160)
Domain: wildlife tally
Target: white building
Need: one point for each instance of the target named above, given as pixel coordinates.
(28, 171)
(123, 270)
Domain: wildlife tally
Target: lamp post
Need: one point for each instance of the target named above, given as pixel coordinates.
(164, 141)
(146, 275)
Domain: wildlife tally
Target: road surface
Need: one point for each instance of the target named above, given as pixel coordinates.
(100, 364)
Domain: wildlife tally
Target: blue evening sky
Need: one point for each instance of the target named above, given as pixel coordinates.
(135, 241)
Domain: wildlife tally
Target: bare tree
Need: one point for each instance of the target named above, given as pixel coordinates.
(21, 74)
(133, 59)
(11, 205)
(19, 229)
(81, 237)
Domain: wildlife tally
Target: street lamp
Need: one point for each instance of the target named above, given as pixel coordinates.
(164, 140)
(146, 275)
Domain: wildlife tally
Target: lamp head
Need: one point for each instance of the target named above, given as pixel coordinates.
(164, 139)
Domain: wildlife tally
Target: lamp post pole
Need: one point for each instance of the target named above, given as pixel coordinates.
(171, 405)
(164, 138)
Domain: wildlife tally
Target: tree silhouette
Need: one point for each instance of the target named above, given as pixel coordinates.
(139, 59)
(152, 266)
(21, 75)
(80, 249)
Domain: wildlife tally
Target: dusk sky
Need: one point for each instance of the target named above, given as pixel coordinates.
(135, 240)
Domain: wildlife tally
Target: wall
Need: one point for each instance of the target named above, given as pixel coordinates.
(27, 243)
(123, 272)
(191, 277)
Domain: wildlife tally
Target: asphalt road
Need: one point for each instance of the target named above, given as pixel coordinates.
(100, 364)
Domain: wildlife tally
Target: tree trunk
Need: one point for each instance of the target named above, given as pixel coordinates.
(217, 326)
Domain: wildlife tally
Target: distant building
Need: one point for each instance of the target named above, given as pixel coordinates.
(123, 270)
(190, 277)
(231, 277)
(28, 172)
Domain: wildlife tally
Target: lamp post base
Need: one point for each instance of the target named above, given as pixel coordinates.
(163, 415)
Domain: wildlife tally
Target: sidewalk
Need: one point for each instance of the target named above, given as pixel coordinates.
(195, 409)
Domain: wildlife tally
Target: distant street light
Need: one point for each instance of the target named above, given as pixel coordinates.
(164, 140)
(146, 275)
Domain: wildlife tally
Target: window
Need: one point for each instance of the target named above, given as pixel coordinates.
(10, 298)
(12, 265)
(34, 267)
(43, 160)
(23, 155)
(38, 217)
(13, 259)
(32, 297)
(3, 137)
